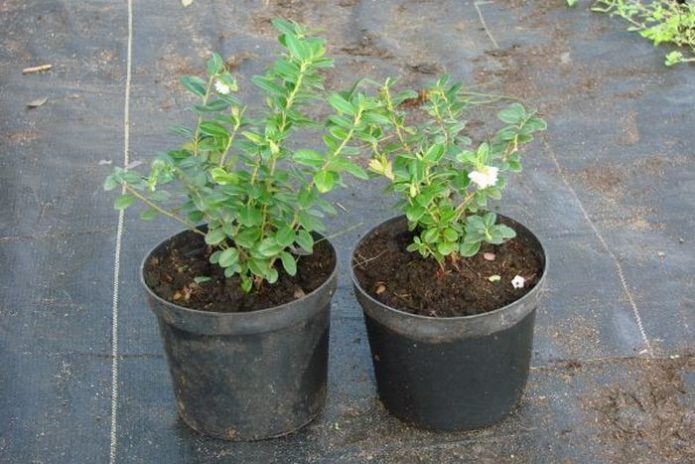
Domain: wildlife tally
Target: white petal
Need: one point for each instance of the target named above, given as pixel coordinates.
(518, 282)
(222, 88)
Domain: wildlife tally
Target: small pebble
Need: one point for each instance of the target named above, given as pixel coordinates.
(489, 256)
(298, 293)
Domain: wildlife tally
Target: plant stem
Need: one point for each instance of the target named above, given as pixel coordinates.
(161, 210)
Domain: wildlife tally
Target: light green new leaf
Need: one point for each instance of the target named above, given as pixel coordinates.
(228, 257)
(123, 201)
(325, 181)
(289, 263)
(513, 114)
(215, 236)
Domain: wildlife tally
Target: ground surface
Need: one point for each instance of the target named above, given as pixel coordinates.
(610, 191)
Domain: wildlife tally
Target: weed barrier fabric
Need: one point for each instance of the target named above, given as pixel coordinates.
(610, 191)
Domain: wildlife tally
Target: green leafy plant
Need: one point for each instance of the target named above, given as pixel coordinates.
(661, 21)
(260, 194)
(443, 178)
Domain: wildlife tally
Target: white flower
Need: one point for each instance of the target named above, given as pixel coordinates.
(518, 282)
(222, 88)
(485, 177)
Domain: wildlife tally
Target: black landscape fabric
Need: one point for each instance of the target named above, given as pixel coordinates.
(610, 190)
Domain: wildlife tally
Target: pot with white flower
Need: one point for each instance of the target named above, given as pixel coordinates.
(449, 289)
(243, 301)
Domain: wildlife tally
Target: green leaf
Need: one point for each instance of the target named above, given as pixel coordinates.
(247, 237)
(450, 234)
(215, 257)
(414, 212)
(285, 236)
(310, 222)
(513, 114)
(283, 26)
(201, 279)
(287, 70)
(325, 180)
(352, 168)
(305, 241)
(111, 183)
(250, 216)
(228, 257)
(341, 105)
(289, 263)
(222, 177)
(268, 85)
(194, 84)
(534, 125)
(468, 249)
(215, 64)
(215, 236)
(376, 118)
(489, 219)
(466, 156)
(326, 207)
(430, 235)
(269, 247)
(253, 137)
(123, 201)
(148, 214)
(308, 157)
(214, 129)
(475, 222)
(506, 231)
(296, 47)
(272, 275)
(446, 248)
(435, 153)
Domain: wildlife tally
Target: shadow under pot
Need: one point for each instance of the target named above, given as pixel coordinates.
(447, 373)
(245, 376)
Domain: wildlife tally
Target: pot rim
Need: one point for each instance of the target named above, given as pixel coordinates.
(529, 295)
(235, 315)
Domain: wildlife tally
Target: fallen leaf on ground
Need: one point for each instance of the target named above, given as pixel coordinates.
(36, 103)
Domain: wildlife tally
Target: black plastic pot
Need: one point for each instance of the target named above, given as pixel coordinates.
(452, 373)
(251, 375)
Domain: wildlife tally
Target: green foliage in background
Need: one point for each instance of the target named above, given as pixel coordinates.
(661, 21)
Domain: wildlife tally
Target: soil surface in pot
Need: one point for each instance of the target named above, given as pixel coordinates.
(411, 283)
(171, 275)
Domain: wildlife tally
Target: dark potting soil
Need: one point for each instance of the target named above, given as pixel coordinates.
(171, 275)
(411, 283)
